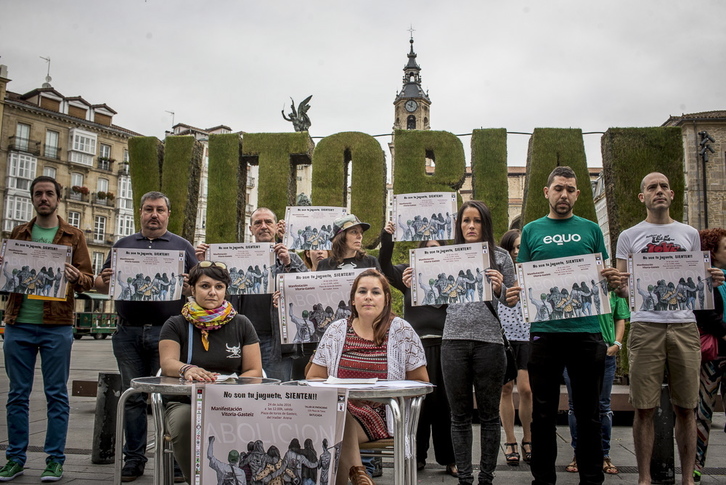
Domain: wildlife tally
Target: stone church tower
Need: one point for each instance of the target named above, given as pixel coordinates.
(412, 103)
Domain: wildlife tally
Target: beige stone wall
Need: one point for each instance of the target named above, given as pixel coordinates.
(715, 175)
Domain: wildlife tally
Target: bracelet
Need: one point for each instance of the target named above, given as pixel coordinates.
(620, 346)
(184, 369)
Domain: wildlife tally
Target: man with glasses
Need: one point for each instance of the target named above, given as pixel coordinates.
(136, 341)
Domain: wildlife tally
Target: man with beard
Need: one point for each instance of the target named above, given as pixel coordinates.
(574, 343)
(42, 327)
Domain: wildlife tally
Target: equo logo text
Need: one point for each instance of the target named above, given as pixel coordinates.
(560, 239)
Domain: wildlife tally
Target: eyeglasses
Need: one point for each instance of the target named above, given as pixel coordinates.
(209, 264)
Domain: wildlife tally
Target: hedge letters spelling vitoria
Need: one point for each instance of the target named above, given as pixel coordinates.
(174, 167)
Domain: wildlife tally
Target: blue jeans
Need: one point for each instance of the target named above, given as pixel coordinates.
(467, 363)
(606, 414)
(281, 369)
(137, 353)
(23, 342)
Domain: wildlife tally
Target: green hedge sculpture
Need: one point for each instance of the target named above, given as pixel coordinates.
(490, 175)
(550, 148)
(629, 154)
(277, 155)
(330, 169)
(226, 190)
(146, 156)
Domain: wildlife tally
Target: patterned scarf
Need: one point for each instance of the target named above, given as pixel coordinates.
(206, 320)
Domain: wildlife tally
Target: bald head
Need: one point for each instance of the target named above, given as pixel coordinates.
(650, 176)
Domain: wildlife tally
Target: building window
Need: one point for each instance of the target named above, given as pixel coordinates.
(125, 194)
(99, 229)
(125, 225)
(51, 145)
(97, 262)
(102, 185)
(74, 219)
(76, 179)
(21, 170)
(105, 151)
(83, 147)
(126, 156)
(49, 172)
(22, 137)
(18, 210)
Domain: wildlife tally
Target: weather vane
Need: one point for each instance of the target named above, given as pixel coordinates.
(48, 79)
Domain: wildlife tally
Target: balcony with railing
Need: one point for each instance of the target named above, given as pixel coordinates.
(53, 152)
(123, 169)
(24, 145)
(77, 193)
(104, 163)
(103, 198)
(100, 238)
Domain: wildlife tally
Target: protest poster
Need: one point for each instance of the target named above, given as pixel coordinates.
(424, 216)
(146, 274)
(310, 301)
(559, 288)
(310, 227)
(450, 274)
(35, 269)
(665, 282)
(282, 431)
(250, 266)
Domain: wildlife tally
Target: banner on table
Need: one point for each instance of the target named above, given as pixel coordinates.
(265, 432)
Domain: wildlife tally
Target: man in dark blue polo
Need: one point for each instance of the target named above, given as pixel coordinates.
(136, 341)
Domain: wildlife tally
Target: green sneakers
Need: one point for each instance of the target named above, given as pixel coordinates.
(52, 473)
(11, 470)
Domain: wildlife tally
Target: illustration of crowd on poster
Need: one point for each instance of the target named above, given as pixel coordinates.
(36, 269)
(559, 288)
(310, 227)
(424, 216)
(146, 274)
(450, 274)
(309, 302)
(249, 266)
(258, 433)
(670, 281)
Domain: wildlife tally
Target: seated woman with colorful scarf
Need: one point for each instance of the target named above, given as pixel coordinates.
(209, 338)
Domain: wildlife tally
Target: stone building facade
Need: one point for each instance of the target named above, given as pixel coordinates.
(46, 133)
(708, 199)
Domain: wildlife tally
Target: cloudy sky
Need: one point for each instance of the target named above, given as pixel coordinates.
(512, 64)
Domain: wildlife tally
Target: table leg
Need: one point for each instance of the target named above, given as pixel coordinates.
(120, 424)
(411, 427)
(399, 442)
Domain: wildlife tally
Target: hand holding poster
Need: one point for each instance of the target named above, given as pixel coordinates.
(450, 274)
(35, 269)
(311, 301)
(310, 227)
(146, 274)
(559, 288)
(250, 266)
(291, 432)
(664, 282)
(424, 216)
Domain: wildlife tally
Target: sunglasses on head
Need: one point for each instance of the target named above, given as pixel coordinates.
(209, 264)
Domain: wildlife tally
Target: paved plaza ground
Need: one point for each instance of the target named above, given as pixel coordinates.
(93, 356)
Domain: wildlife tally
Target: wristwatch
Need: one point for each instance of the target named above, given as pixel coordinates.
(620, 346)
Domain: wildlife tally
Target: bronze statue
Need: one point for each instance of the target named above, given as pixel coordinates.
(300, 120)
